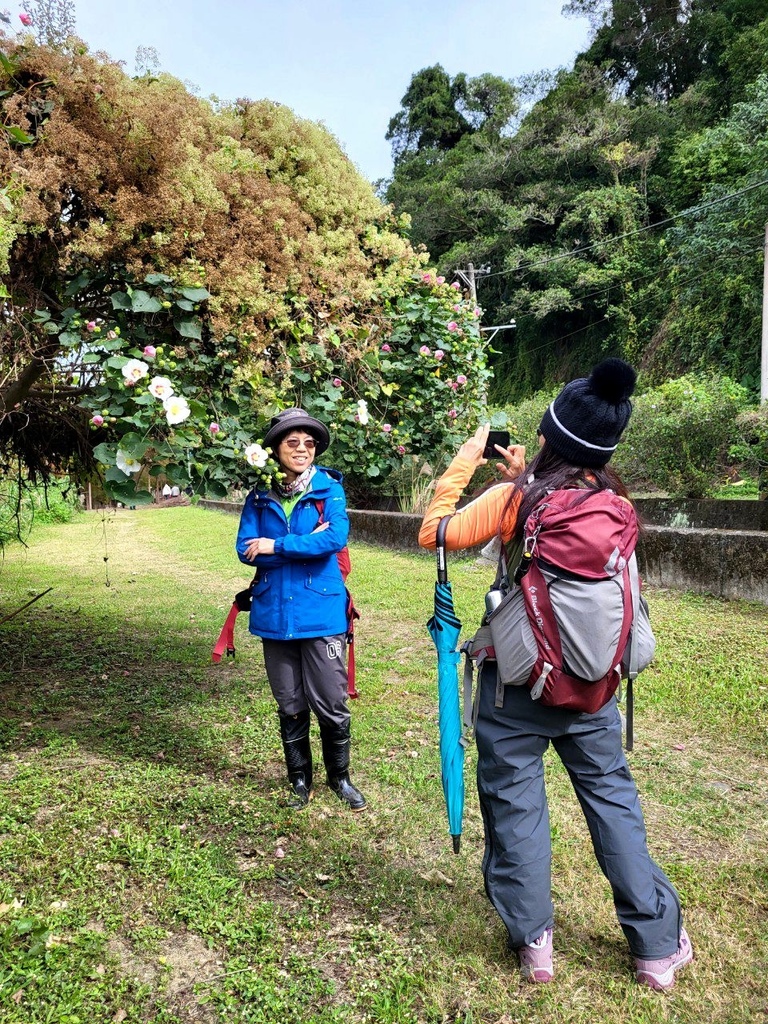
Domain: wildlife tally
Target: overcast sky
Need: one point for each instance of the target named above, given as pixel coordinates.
(345, 63)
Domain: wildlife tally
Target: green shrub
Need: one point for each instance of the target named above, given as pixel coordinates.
(680, 439)
(680, 435)
(751, 445)
(23, 505)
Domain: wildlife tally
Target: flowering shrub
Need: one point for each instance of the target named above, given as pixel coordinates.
(170, 406)
(417, 388)
(164, 400)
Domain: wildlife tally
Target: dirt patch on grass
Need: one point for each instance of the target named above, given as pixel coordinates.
(182, 962)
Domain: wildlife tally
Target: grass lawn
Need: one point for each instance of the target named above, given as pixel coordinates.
(150, 872)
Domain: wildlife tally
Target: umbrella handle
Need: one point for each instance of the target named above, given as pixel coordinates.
(442, 567)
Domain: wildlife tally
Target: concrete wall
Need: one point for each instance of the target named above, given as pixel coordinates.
(704, 513)
(726, 563)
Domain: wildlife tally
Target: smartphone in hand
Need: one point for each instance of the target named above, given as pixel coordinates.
(500, 437)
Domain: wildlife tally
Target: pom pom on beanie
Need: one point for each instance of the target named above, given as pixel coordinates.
(585, 422)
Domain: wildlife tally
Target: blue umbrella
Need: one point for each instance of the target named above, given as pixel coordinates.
(444, 628)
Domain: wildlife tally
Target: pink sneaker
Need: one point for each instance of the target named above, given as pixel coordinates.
(660, 974)
(536, 958)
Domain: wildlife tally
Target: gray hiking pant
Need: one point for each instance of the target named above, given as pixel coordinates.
(309, 674)
(511, 741)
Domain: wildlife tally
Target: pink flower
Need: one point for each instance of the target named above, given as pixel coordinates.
(460, 378)
(424, 350)
(456, 285)
(386, 427)
(214, 428)
(439, 354)
(337, 382)
(25, 19)
(97, 420)
(477, 312)
(385, 348)
(441, 280)
(400, 450)
(149, 352)
(457, 308)
(427, 277)
(452, 326)
(453, 385)
(453, 414)
(91, 325)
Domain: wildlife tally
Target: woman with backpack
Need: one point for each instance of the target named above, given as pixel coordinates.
(578, 434)
(292, 534)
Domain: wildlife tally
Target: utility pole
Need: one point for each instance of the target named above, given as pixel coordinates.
(473, 286)
(470, 277)
(764, 345)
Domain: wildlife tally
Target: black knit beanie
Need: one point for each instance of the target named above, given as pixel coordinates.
(585, 422)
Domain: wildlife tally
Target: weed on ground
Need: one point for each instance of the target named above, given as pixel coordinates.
(150, 870)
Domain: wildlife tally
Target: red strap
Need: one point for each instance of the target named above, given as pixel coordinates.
(352, 614)
(226, 636)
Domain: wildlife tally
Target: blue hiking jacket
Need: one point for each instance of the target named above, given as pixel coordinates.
(299, 592)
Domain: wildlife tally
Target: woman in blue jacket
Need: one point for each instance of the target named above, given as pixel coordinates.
(298, 601)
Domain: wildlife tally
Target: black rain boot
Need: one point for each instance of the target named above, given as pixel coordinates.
(336, 743)
(294, 731)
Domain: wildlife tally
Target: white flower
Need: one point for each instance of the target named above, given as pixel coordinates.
(134, 370)
(176, 409)
(256, 456)
(160, 387)
(362, 412)
(127, 463)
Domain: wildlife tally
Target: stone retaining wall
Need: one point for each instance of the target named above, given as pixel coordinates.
(725, 563)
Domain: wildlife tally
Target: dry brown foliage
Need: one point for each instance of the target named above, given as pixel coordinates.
(262, 208)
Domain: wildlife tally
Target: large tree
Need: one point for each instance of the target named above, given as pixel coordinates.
(151, 242)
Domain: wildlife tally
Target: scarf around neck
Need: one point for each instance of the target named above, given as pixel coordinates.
(299, 484)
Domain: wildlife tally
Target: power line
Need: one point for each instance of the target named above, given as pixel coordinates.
(638, 302)
(629, 234)
(652, 274)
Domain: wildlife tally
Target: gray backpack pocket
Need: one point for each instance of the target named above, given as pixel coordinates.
(589, 616)
(513, 640)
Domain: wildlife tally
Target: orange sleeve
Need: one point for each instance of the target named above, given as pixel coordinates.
(476, 522)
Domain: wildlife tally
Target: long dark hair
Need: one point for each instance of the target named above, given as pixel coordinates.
(548, 471)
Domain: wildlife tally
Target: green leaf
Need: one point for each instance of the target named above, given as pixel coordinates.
(373, 471)
(215, 489)
(189, 327)
(143, 302)
(121, 301)
(195, 294)
(92, 357)
(104, 453)
(186, 305)
(178, 475)
(127, 493)
(155, 279)
(302, 375)
(115, 475)
(143, 498)
(9, 66)
(117, 362)
(18, 135)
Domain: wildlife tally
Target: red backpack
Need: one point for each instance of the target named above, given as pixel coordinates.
(562, 626)
(242, 603)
